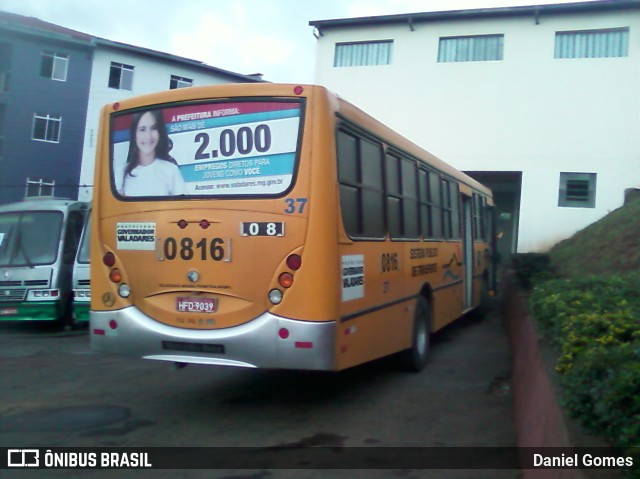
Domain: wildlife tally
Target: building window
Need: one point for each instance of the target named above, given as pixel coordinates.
(593, 44)
(121, 76)
(179, 82)
(46, 127)
(357, 54)
(39, 187)
(54, 66)
(477, 48)
(577, 190)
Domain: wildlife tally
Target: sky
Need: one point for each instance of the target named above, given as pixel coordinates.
(272, 37)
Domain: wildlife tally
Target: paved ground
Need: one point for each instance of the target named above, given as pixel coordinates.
(57, 392)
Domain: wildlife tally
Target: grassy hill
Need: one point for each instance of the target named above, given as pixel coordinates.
(610, 246)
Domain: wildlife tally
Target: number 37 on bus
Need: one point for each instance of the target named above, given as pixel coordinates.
(277, 226)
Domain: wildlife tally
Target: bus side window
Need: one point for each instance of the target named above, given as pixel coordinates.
(372, 189)
(450, 210)
(361, 188)
(429, 204)
(436, 215)
(394, 197)
(479, 220)
(446, 209)
(72, 236)
(454, 191)
(410, 198)
(348, 177)
(402, 197)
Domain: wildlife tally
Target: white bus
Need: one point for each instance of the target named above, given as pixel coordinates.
(81, 276)
(38, 244)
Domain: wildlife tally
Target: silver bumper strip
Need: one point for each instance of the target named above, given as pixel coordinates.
(255, 344)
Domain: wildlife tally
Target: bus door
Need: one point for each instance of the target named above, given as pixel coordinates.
(467, 222)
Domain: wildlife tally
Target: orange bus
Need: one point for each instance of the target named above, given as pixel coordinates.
(277, 226)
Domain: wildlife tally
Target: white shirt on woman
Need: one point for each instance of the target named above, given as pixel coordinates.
(156, 179)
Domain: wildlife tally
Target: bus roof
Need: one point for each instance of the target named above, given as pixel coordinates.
(40, 203)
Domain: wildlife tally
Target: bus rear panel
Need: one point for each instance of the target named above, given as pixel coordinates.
(215, 274)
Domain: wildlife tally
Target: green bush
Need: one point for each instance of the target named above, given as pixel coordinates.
(602, 391)
(594, 322)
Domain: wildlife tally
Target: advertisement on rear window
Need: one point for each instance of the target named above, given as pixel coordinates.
(213, 149)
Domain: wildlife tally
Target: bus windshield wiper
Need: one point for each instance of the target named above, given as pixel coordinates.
(20, 245)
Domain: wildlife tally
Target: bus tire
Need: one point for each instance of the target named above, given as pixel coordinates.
(414, 359)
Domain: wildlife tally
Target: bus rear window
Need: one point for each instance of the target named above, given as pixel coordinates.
(230, 148)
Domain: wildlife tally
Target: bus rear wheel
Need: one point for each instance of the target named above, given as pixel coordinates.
(414, 359)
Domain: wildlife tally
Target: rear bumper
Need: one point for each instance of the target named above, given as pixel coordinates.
(256, 344)
(30, 311)
(81, 311)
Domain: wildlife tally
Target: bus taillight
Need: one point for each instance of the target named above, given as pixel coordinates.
(109, 259)
(115, 275)
(285, 280)
(294, 262)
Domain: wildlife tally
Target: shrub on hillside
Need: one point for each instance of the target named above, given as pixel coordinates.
(595, 324)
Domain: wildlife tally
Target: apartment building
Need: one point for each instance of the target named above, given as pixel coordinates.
(541, 103)
(53, 82)
(44, 90)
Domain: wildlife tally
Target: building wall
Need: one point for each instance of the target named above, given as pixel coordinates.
(29, 93)
(529, 112)
(151, 74)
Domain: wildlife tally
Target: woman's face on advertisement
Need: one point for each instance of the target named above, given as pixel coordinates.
(147, 135)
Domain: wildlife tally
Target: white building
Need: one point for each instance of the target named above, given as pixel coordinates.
(121, 71)
(540, 103)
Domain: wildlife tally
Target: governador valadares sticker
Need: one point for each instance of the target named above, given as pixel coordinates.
(136, 236)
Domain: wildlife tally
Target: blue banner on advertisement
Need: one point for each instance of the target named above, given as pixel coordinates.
(273, 165)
